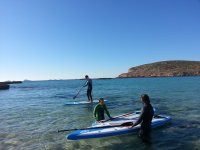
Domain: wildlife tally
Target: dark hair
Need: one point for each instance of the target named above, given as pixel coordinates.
(101, 99)
(145, 98)
(86, 76)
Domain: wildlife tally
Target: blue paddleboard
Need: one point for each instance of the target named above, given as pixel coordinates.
(106, 130)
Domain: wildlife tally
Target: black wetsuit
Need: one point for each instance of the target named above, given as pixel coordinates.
(145, 120)
(89, 90)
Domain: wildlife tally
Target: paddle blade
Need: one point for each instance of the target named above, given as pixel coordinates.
(68, 130)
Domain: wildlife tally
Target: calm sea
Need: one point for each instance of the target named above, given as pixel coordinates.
(32, 112)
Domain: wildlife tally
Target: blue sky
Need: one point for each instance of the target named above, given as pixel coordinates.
(67, 39)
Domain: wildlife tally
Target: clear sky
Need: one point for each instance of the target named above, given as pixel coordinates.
(67, 39)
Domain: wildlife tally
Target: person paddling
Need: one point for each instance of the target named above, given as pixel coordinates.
(99, 110)
(89, 89)
(145, 119)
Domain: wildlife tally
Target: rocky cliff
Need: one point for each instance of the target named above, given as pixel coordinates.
(164, 68)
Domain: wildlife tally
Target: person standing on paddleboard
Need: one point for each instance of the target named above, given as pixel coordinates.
(99, 110)
(145, 119)
(89, 89)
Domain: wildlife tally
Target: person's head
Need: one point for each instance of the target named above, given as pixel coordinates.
(101, 101)
(86, 76)
(145, 99)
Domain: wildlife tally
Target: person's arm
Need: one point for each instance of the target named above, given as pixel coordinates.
(95, 112)
(86, 83)
(107, 112)
(140, 118)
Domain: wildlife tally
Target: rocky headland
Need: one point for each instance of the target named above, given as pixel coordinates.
(164, 69)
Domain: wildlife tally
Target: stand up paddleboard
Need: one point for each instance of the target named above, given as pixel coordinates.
(82, 102)
(113, 127)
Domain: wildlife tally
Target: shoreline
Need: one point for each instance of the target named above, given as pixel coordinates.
(109, 78)
(19, 82)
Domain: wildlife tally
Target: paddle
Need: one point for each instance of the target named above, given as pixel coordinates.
(121, 125)
(116, 117)
(78, 92)
(127, 114)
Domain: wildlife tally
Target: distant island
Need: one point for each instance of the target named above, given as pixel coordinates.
(164, 69)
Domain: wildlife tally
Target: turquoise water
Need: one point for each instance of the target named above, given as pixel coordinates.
(32, 112)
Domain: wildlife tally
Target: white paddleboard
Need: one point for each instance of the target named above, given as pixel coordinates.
(82, 102)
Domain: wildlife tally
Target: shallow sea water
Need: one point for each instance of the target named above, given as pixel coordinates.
(32, 112)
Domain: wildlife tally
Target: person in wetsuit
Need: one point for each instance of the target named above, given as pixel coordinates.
(89, 89)
(145, 119)
(99, 110)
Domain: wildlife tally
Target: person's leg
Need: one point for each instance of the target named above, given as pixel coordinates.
(88, 94)
(140, 133)
(145, 136)
(91, 95)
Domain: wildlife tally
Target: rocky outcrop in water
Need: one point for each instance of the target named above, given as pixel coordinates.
(164, 69)
(6, 85)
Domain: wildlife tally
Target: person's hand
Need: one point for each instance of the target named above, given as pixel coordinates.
(130, 126)
(99, 121)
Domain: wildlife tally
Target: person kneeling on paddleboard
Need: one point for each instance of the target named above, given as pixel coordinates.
(145, 119)
(99, 111)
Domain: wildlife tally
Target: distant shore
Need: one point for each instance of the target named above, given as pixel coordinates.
(18, 82)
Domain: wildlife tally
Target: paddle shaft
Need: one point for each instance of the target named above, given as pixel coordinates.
(121, 125)
(117, 117)
(78, 92)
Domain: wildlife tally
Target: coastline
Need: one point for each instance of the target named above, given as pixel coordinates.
(19, 82)
(158, 76)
